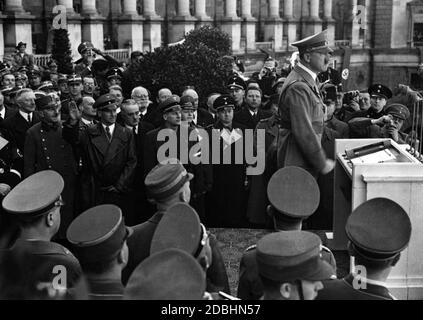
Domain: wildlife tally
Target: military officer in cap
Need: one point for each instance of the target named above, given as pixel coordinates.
(171, 274)
(85, 49)
(378, 231)
(388, 126)
(36, 203)
(302, 110)
(47, 148)
(114, 76)
(229, 180)
(98, 237)
(379, 96)
(108, 155)
(171, 115)
(34, 78)
(180, 228)
(236, 88)
(202, 117)
(21, 79)
(167, 185)
(290, 266)
(294, 197)
(75, 94)
(62, 83)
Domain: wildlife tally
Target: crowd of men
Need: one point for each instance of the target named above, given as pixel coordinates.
(82, 186)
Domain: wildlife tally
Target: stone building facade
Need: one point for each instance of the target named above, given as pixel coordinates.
(377, 48)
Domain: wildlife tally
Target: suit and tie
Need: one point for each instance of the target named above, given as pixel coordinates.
(15, 128)
(250, 121)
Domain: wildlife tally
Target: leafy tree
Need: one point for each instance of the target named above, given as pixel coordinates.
(61, 51)
(197, 62)
(210, 37)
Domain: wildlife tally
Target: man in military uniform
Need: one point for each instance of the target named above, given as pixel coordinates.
(36, 203)
(84, 64)
(171, 274)
(236, 88)
(290, 266)
(21, 79)
(167, 185)
(101, 250)
(34, 78)
(171, 115)
(203, 176)
(302, 109)
(180, 228)
(229, 211)
(46, 148)
(368, 229)
(114, 76)
(294, 196)
(379, 94)
(62, 83)
(388, 126)
(75, 94)
(202, 117)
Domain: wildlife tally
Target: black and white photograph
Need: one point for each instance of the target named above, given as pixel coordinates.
(194, 151)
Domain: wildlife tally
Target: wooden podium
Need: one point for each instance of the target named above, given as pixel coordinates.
(400, 180)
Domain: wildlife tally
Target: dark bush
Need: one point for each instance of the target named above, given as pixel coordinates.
(197, 62)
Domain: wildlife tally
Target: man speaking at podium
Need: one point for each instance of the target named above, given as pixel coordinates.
(302, 110)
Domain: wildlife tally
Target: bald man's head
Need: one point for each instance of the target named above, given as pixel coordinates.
(163, 95)
(193, 94)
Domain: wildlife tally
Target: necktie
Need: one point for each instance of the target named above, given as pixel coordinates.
(134, 131)
(29, 118)
(108, 134)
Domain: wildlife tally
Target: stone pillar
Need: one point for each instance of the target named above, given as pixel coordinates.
(17, 26)
(182, 23)
(291, 23)
(312, 23)
(231, 24)
(152, 26)
(273, 28)
(248, 30)
(201, 14)
(73, 21)
(130, 27)
(2, 17)
(329, 21)
(355, 27)
(92, 24)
